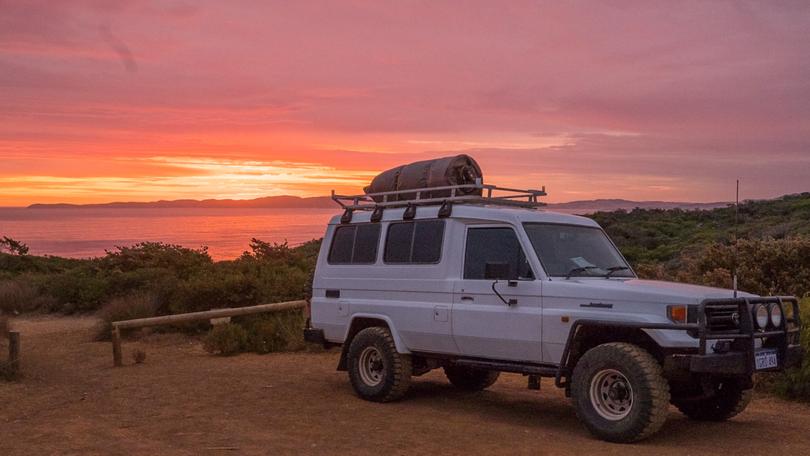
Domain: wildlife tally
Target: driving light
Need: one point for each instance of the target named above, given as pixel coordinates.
(761, 316)
(776, 316)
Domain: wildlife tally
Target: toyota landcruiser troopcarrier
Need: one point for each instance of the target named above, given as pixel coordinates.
(477, 280)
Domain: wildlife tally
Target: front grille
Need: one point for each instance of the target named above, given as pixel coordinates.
(722, 318)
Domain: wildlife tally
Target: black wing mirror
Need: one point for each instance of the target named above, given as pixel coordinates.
(500, 271)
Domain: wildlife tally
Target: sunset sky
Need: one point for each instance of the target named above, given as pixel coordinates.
(139, 100)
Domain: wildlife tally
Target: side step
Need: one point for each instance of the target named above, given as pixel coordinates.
(508, 366)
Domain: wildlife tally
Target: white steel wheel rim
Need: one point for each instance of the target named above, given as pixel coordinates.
(611, 394)
(371, 366)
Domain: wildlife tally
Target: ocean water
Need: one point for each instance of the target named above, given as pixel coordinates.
(88, 232)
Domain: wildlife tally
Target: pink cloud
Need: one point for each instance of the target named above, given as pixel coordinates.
(685, 94)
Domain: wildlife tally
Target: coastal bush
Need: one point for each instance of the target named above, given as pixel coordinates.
(764, 266)
(182, 262)
(15, 265)
(79, 289)
(139, 305)
(660, 236)
(795, 383)
(274, 332)
(226, 339)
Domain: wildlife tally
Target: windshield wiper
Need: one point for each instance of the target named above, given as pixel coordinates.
(579, 269)
(614, 269)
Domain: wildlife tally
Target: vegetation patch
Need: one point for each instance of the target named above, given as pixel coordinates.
(273, 332)
(137, 305)
(795, 383)
(226, 339)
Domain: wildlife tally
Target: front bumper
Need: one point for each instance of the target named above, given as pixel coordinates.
(738, 363)
(724, 351)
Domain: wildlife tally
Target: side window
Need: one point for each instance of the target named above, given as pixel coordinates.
(414, 242)
(427, 246)
(342, 245)
(354, 244)
(494, 245)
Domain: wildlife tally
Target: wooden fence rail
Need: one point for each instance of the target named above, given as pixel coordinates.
(117, 326)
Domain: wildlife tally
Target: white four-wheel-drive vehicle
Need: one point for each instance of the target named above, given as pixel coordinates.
(455, 277)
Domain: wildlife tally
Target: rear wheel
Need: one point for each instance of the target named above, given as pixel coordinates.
(619, 392)
(728, 401)
(470, 378)
(376, 370)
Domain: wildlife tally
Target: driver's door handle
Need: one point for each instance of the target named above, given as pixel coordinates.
(467, 298)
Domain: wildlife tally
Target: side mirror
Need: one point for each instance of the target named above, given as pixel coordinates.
(498, 271)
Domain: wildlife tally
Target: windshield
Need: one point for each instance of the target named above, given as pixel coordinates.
(569, 251)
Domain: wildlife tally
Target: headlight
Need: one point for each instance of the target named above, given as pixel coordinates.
(776, 316)
(761, 316)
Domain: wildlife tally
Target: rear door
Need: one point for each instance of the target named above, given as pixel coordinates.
(483, 325)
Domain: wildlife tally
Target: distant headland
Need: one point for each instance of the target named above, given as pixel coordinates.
(325, 202)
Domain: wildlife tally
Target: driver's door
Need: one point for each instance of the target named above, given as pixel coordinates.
(483, 325)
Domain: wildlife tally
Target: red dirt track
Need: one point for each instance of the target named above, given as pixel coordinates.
(186, 402)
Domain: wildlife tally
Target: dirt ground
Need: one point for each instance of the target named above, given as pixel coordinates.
(184, 401)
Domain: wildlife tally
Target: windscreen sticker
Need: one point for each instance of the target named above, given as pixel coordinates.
(582, 262)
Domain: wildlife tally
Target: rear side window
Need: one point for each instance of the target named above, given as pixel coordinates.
(355, 244)
(414, 242)
(494, 245)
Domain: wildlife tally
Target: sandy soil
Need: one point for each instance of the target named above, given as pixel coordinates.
(183, 401)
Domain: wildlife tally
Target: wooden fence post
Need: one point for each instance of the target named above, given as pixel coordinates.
(14, 352)
(116, 343)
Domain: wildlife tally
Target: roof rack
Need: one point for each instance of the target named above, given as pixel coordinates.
(424, 197)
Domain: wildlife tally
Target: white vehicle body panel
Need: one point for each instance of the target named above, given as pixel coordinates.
(431, 308)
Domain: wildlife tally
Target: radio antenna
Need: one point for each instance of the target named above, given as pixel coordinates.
(736, 236)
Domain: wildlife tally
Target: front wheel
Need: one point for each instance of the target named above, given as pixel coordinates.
(729, 400)
(377, 371)
(619, 392)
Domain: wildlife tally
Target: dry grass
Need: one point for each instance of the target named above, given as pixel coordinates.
(141, 305)
(17, 296)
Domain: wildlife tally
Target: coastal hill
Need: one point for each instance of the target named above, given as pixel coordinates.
(325, 202)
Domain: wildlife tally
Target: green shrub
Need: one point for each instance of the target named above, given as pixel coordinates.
(795, 383)
(182, 262)
(76, 290)
(282, 331)
(226, 339)
(140, 305)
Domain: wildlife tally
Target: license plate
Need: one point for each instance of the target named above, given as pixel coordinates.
(766, 359)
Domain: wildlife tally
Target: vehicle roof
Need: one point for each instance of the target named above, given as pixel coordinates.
(479, 212)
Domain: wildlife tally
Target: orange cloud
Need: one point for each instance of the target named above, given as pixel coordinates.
(132, 100)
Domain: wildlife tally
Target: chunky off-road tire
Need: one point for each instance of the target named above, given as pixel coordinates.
(470, 378)
(729, 400)
(619, 392)
(376, 370)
